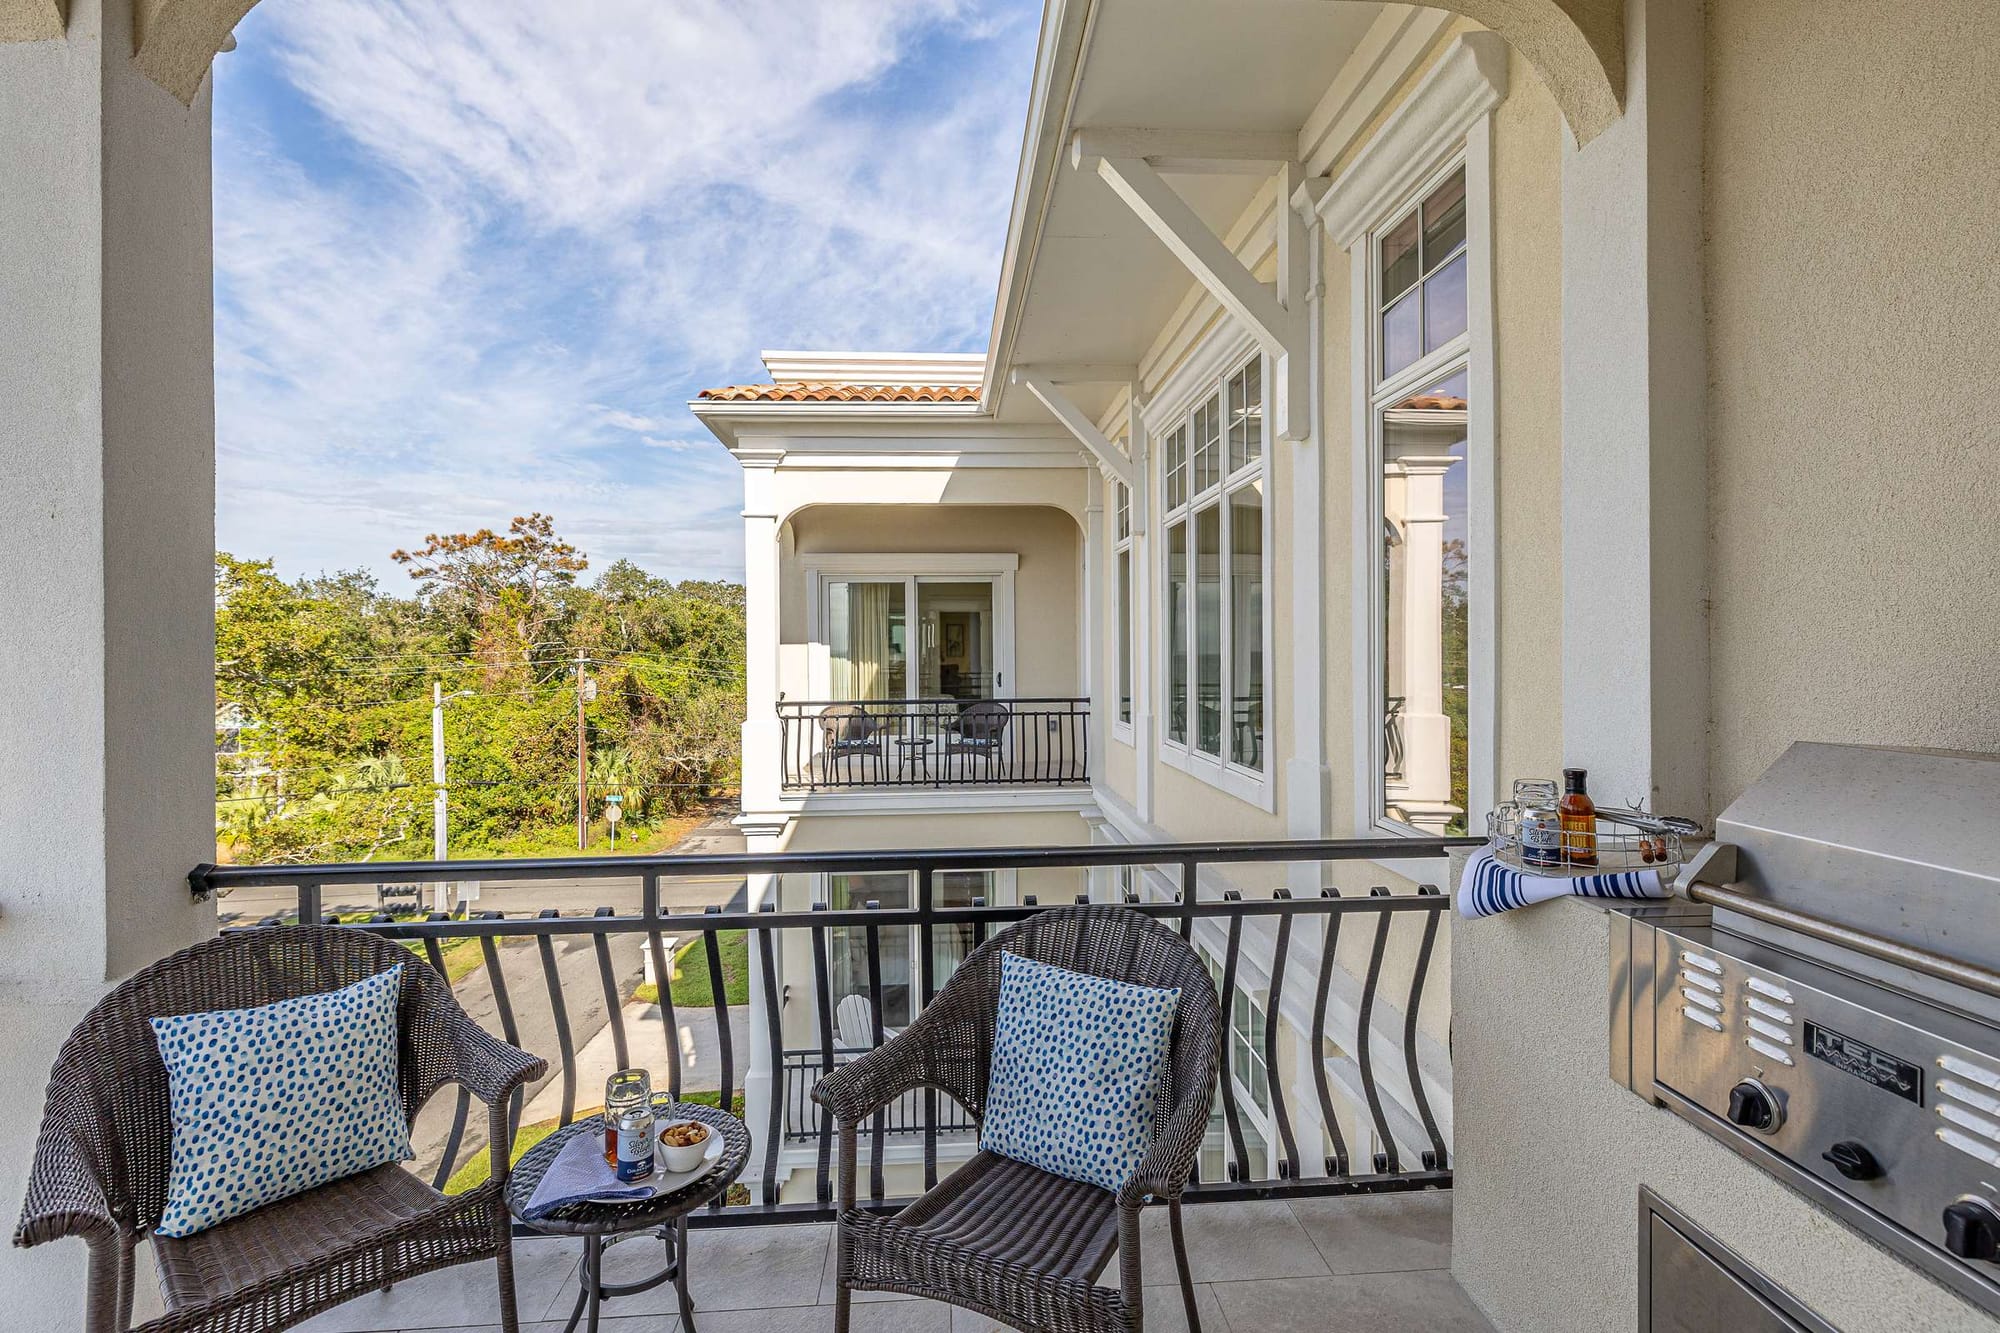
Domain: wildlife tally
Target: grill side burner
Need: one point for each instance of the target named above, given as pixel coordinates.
(1834, 1017)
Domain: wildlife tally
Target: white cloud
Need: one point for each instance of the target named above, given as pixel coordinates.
(510, 240)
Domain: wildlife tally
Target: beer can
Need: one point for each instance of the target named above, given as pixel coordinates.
(635, 1145)
(1541, 836)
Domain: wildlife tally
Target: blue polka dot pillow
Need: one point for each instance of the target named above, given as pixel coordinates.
(272, 1101)
(1077, 1062)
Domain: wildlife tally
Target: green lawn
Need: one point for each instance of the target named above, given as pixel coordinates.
(691, 982)
(475, 1171)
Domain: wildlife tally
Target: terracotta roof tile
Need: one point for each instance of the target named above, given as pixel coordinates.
(817, 391)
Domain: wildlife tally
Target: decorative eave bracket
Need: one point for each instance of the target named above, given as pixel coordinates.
(1130, 161)
(1046, 384)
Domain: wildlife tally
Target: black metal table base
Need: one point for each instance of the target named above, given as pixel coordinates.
(593, 1290)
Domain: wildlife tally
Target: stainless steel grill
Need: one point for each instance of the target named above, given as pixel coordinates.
(1825, 1001)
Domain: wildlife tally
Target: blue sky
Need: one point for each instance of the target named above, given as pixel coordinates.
(473, 258)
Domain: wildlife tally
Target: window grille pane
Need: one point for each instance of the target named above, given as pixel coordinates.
(1125, 636)
(866, 640)
(1402, 335)
(1246, 415)
(1208, 629)
(1176, 467)
(1444, 221)
(1444, 305)
(1177, 626)
(1124, 510)
(1401, 264)
(1424, 607)
(1246, 625)
(847, 951)
(1207, 445)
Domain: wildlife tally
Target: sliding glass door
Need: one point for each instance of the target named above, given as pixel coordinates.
(916, 637)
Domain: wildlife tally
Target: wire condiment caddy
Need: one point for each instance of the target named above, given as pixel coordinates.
(1621, 841)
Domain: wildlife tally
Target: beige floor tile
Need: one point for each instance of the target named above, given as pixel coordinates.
(465, 1296)
(1227, 1242)
(1421, 1302)
(729, 1268)
(1166, 1312)
(1379, 1233)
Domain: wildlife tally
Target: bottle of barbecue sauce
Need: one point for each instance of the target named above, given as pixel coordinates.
(1579, 821)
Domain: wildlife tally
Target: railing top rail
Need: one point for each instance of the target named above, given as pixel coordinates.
(205, 879)
(1011, 700)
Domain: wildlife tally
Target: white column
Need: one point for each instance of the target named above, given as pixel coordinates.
(1634, 473)
(106, 585)
(1092, 674)
(762, 735)
(1144, 653)
(1302, 715)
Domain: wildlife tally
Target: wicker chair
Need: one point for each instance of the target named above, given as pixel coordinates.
(998, 1236)
(103, 1157)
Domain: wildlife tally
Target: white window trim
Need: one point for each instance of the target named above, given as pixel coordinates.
(1125, 628)
(1001, 567)
(1447, 119)
(1204, 373)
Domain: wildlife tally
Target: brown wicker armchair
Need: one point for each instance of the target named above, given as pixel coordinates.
(998, 1236)
(102, 1160)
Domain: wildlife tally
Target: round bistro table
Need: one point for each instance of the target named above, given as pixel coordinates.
(600, 1224)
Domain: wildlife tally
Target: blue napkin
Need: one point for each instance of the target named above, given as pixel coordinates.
(579, 1173)
(1490, 887)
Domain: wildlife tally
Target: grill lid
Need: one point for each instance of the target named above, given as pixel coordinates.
(1900, 843)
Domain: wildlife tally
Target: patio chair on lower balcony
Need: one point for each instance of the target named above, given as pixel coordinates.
(999, 1236)
(979, 741)
(102, 1162)
(849, 732)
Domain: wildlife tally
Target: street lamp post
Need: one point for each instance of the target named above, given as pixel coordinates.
(440, 808)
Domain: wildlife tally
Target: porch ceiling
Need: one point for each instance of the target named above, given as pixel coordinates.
(1101, 287)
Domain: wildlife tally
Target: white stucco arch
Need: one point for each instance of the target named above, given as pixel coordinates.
(1577, 46)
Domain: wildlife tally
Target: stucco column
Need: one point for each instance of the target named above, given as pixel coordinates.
(1092, 659)
(762, 736)
(106, 585)
(1635, 466)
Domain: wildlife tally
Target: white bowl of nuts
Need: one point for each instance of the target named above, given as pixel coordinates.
(684, 1144)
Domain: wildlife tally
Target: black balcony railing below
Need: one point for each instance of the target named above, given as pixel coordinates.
(812, 981)
(839, 744)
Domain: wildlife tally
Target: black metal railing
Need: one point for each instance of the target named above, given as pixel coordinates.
(904, 1116)
(1392, 738)
(831, 744)
(802, 966)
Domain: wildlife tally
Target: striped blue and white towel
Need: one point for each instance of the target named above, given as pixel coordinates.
(1489, 887)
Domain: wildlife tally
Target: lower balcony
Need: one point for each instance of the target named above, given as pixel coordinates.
(850, 744)
(1359, 1264)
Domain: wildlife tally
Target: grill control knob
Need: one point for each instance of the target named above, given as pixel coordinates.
(1972, 1230)
(1754, 1106)
(1853, 1160)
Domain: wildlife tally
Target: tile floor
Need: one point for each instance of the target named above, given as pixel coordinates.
(1363, 1265)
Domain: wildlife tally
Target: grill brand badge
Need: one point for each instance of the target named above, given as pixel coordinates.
(1866, 1063)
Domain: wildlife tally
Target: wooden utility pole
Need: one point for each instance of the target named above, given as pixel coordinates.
(582, 769)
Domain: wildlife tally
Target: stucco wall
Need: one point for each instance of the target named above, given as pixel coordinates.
(1853, 272)
(1535, 1104)
(106, 438)
(1047, 619)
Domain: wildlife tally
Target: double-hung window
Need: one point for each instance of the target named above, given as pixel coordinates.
(1213, 488)
(1420, 444)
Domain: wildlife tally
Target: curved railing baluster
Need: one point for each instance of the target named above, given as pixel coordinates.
(1273, 1017)
(1437, 1153)
(565, 1042)
(878, 1130)
(614, 1003)
(1239, 1154)
(1336, 1165)
(434, 953)
(823, 992)
(774, 1129)
(927, 965)
(1386, 1160)
(509, 1030)
(718, 994)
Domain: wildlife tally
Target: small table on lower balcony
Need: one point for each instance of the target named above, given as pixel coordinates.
(602, 1224)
